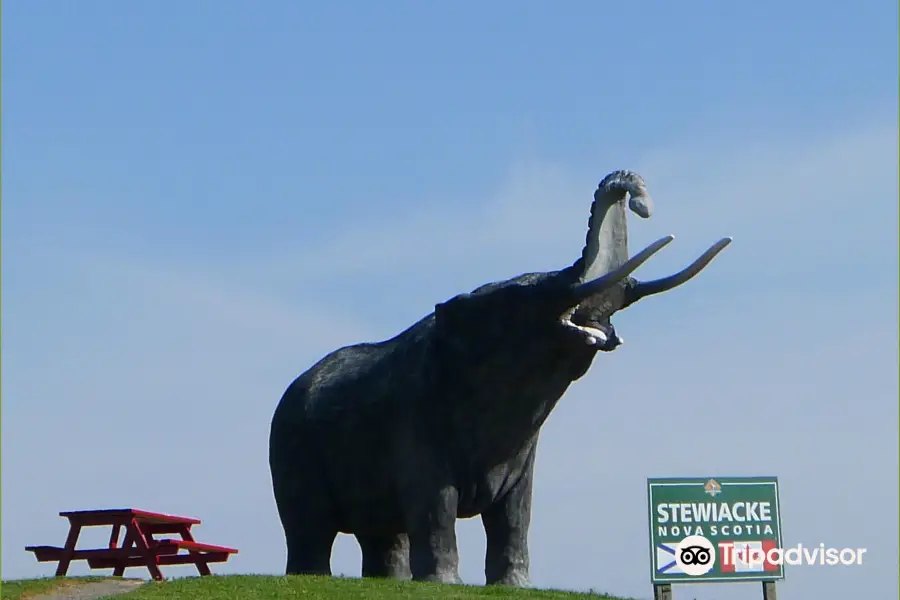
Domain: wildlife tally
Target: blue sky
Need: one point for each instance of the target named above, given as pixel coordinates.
(201, 199)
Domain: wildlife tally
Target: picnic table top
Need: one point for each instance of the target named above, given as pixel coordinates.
(113, 515)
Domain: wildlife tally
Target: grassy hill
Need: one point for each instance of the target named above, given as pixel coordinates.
(253, 587)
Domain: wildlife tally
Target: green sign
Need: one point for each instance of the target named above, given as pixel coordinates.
(714, 529)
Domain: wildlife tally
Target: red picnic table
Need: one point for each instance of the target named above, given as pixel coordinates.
(139, 548)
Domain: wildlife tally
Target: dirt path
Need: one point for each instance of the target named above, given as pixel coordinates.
(90, 591)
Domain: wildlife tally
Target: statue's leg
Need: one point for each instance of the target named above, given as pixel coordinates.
(431, 522)
(306, 517)
(385, 556)
(309, 551)
(506, 528)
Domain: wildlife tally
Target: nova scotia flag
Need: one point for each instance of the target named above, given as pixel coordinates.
(665, 559)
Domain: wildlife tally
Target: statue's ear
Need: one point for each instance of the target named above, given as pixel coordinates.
(455, 311)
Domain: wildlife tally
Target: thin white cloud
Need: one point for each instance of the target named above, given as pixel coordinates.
(537, 218)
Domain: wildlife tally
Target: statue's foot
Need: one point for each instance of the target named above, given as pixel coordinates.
(512, 578)
(447, 576)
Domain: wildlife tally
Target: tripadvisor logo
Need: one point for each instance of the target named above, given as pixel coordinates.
(695, 555)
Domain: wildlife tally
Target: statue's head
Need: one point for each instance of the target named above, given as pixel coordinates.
(604, 281)
(537, 314)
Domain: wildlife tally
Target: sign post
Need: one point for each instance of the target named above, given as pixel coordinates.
(714, 530)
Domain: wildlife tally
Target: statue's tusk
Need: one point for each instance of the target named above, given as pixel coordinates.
(642, 289)
(596, 286)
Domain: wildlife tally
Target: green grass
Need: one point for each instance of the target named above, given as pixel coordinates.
(22, 589)
(258, 587)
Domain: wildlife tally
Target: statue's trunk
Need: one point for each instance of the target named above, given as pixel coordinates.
(607, 242)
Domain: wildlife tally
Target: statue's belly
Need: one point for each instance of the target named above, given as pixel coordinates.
(358, 459)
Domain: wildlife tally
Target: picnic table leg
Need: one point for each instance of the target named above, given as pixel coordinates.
(128, 542)
(69, 548)
(143, 548)
(202, 566)
(114, 536)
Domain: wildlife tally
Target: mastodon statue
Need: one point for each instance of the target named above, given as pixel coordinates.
(393, 441)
